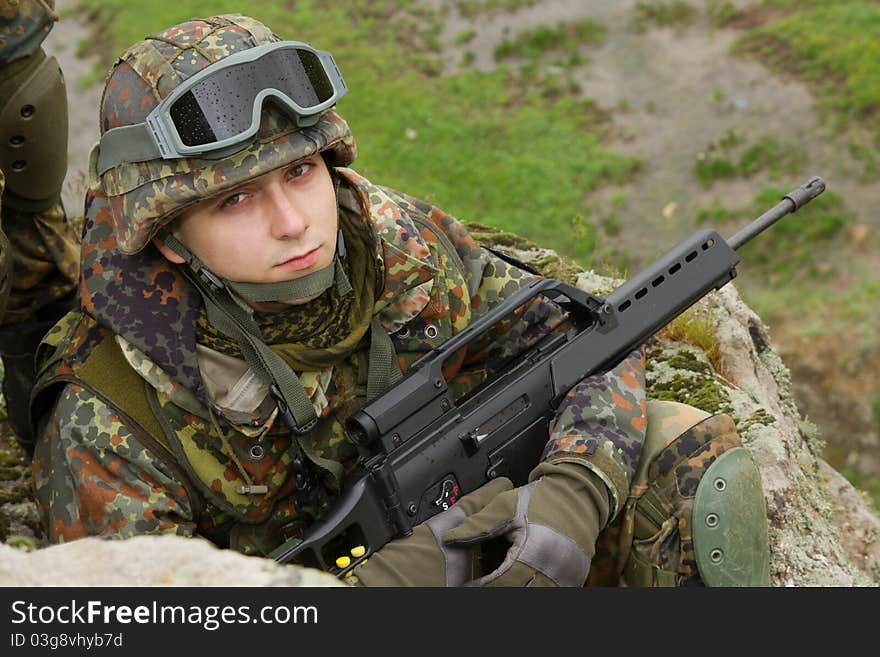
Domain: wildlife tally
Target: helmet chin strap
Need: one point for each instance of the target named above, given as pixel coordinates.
(298, 289)
(228, 312)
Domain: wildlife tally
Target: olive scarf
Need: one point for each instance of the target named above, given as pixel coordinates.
(318, 334)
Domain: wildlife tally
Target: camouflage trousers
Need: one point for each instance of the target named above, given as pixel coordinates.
(39, 271)
(678, 431)
(44, 255)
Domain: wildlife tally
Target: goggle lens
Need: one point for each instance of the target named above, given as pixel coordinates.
(221, 106)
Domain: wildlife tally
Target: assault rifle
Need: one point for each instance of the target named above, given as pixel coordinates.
(428, 449)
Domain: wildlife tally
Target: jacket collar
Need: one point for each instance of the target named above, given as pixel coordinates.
(144, 299)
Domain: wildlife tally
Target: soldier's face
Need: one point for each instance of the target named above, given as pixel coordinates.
(277, 227)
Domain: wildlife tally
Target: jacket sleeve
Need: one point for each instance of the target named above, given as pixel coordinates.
(601, 422)
(92, 477)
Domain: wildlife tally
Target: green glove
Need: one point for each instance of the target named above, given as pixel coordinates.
(549, 528)
(421, 559)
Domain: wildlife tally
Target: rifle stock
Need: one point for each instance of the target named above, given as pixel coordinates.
(430, 449)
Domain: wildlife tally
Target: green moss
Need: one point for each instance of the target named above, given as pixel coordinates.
(813, 439)
(10, 473)
(679, 374)
(686, 360)
(699, 391)
(559, 268)
(23, 543)
(695, 327)
(492, 236)
(18, 492)
(758, 417)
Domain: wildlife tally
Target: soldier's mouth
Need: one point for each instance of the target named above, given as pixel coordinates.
(303, 261)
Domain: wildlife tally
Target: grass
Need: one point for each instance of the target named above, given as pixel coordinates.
(562, 37)
(695, 327)
(474, 8)
(804, 247)
(673, 13)
(715, 214)
(832, 44)
(491, 147)
(869, 159)
(465, 37)
(721, 12)
(792, 248)
(731, 156)
(709, 169)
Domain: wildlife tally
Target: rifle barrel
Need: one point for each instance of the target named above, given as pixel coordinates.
(791, 202)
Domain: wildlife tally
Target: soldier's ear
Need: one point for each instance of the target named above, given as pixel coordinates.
(170, 255)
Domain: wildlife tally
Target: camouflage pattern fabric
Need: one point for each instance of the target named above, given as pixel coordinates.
(42, 248)
(437, 280)
(45, 261)
(144, 195)
(23, 26)
(651, 542)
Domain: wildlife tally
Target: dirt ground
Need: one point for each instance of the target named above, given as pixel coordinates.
(82, 101)
(672, 91)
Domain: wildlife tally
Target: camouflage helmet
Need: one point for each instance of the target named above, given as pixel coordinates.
(144, 196)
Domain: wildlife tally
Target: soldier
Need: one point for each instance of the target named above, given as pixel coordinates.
(243, 292)
(39, 254)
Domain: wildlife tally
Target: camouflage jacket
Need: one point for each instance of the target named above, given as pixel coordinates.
(97, 472)
(23, 26)
(40, 254)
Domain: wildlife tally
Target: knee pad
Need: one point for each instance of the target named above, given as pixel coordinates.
(696, 512)
(731, 544)
(33, 131)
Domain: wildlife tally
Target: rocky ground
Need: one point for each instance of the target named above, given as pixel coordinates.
(672, 90)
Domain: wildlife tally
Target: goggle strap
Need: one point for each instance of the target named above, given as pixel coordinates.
(128, 143)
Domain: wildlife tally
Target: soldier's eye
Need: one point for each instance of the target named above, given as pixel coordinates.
(233, 200)
(299, 170)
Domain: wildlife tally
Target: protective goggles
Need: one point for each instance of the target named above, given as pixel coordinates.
(217, 110)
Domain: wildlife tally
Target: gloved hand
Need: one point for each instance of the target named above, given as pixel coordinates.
(551, 526)
(421, 559)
